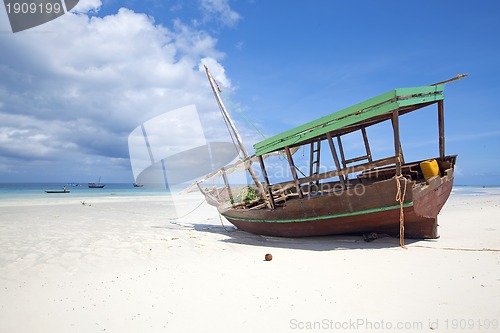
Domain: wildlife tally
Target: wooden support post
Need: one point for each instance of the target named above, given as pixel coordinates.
(341, 150)
(397, 143)
(342, 156)
(311, 160)
(367, 144)
(266, 180)
(335, 157)
(441, 128)
(226, 182)
(294, 172)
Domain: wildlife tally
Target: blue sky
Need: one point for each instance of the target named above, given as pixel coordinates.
(73, 89)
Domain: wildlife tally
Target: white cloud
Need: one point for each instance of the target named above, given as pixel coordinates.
(78, 85)
(85, 6)
(220, 10)
(217, 71)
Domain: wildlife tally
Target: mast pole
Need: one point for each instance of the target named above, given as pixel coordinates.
(254, 176)
(458, 77)
(225, 113)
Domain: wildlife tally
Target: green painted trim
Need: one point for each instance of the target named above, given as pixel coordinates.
(324, 217)
(356, 114)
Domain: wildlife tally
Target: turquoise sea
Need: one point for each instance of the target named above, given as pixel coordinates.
(476, 190)
(34, 191)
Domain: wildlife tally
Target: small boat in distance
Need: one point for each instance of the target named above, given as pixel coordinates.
(138, 185)
(64, 190)
(97, 185)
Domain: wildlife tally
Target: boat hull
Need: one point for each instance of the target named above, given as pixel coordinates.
(366, 209)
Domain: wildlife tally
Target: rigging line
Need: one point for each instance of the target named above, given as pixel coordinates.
(242, 114)
(231, 132)
(298, 169)
(180, 217)
(223, 226)
(247, 120)
(238, 151)
(282, 157)
(457, 249)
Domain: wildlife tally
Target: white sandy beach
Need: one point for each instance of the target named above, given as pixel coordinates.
(121, 265)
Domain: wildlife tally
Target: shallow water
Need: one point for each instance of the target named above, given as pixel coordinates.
(36, 191)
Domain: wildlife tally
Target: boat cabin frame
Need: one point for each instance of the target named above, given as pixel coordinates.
(385, 107)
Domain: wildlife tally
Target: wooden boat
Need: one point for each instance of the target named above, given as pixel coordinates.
(357, 195)
(97, 185)
(64, 190)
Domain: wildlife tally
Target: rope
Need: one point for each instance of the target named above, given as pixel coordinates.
(180, 217)
(248, 121)
(223, 226)
(220, 218)
(238, 151)
(400, 197)
(243, 115)
(457, 249)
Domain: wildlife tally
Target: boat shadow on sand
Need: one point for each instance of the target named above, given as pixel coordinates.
(317, 243)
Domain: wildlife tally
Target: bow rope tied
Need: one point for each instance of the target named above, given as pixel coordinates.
(400, 197)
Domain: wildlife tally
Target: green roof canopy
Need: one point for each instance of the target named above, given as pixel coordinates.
(354, 117)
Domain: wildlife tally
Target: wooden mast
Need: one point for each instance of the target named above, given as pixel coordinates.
(254, 176)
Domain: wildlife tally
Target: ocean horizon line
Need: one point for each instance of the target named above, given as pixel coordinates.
(187, 184)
